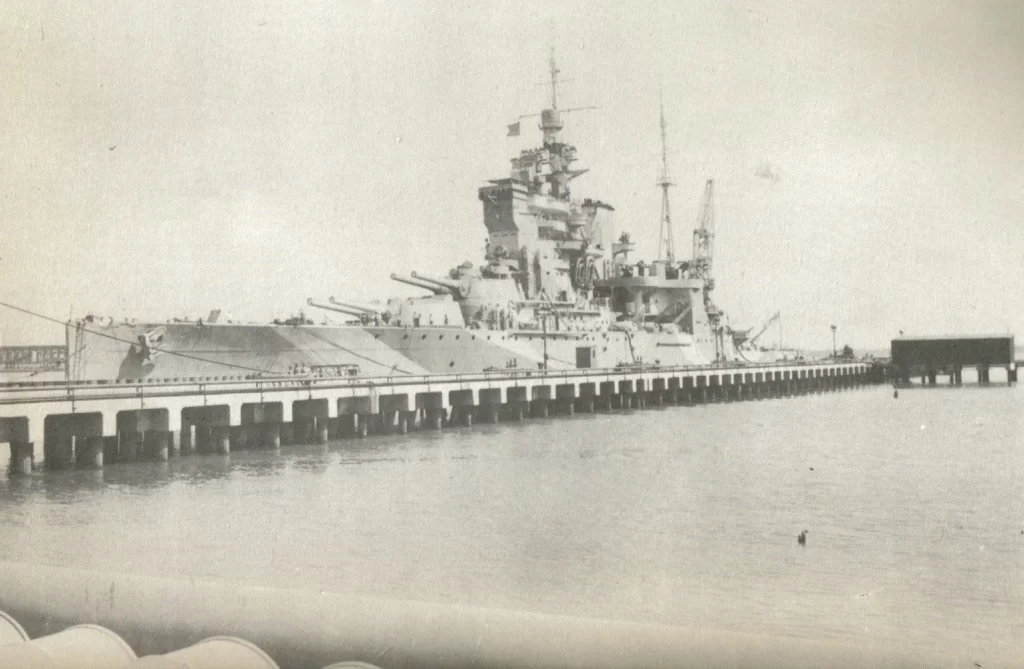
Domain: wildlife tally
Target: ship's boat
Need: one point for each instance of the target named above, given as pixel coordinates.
(557, 289)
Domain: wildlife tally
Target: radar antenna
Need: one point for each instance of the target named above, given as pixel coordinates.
(704, 234)
(665, 182)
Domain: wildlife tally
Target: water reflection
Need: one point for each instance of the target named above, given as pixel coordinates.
(258, 463)
(139, 477)
(313, 459)
(199, 469)
(68, 486)
(679, 515)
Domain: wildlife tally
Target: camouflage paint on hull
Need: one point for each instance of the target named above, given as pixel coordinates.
(190, 350)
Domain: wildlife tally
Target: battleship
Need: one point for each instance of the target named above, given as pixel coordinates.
(558, 288)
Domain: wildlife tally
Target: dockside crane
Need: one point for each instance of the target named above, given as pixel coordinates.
(704, 236)
(703, 252)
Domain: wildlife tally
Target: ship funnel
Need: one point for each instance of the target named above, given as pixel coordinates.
(419, 283)
(331, 307)
(355, 306)
(453, 287)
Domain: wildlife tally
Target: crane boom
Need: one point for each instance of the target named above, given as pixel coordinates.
(764, 328)
(704, 234)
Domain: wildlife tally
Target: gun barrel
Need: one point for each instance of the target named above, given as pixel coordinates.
(419, 283)
(452, 286)
(355, 306)
(331, 307)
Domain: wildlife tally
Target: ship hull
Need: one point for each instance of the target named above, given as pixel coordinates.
(191, 350)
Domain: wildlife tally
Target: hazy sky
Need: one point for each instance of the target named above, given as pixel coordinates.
(164, 158)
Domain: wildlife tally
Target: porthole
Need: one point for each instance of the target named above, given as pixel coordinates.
(423, 337)
(451, 364)
(440, 337)
(457, 337)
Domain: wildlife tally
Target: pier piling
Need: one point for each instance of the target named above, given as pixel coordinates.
(77, 439)
(89, 453)
(220, 439)
(22, 458)
(435, 418)
(155, 446)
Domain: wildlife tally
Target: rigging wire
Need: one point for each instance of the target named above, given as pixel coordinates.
(193, 357)
(127, 341)
(351, 352)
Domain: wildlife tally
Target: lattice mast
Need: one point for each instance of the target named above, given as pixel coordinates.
(665, 182)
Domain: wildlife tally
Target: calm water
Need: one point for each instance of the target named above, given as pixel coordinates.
(914, 510)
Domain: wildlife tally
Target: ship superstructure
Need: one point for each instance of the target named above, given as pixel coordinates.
(557, 288)
(556, 273)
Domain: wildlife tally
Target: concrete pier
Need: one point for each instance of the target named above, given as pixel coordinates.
(220, 439)
(362, 425)
(61, 434)
(491, 412)
(310, 422)
(435, 418)
(14, 430)
(90, 453)
(926, 357)
(267, 435)
(97, 425)
(261, 425)
(22, 458)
